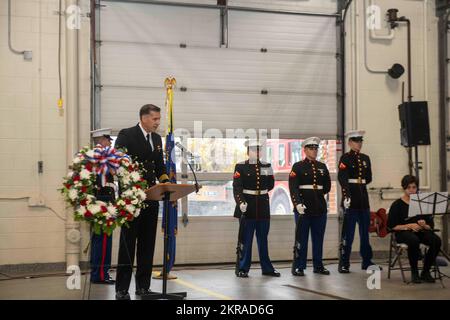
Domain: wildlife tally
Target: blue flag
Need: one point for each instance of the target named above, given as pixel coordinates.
(172, 212)
(171, 170)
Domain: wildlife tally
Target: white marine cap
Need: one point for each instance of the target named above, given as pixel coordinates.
(105, 132)
(311, 141)
(355, 134)
(252, 143)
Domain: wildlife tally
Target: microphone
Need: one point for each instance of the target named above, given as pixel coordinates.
(188, 153)
(184, 149)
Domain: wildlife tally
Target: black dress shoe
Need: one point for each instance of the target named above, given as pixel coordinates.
(242, 274)
(365, 267)
(122, 295)
(274, 273)
(425, 276)
(106, 281)
(415, 277)
(321, 270)
(344, 269)
(298, 272)
(143, 292)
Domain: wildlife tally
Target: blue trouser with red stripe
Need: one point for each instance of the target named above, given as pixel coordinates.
(101, 246)
(316, 224)
(362, 217)
(261, 227)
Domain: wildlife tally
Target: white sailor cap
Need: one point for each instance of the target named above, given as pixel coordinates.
(105, 132)
(356, 134)
(252, 143)
(311, 141)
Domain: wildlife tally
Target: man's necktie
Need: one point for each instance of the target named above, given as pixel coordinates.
(148, 140)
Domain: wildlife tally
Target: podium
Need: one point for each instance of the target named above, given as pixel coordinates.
(168, 192)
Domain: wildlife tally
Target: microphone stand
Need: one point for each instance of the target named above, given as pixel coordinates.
(184, 151)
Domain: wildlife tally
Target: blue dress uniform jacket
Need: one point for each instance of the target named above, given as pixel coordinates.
(309, 182)
(355, 172)
(251, 184)
(142, 230)
(140, 150)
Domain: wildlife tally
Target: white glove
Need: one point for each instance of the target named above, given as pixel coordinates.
(301, 208)
(347, 202)
(243, 207)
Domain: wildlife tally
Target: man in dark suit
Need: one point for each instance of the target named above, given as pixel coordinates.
(144, 145)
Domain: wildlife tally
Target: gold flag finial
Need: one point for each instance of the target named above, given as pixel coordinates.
(170, 82)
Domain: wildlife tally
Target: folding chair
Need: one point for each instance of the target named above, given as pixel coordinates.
(399, 250)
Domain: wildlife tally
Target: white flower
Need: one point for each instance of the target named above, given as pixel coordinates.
(73, 194)
(127, 193)
(130, 208)
(90, 153)
(94, 208)
(89, 198)
(121, 203)
(70, 174)
(126, 180)
(137, 213)
(85, 174)
(100, 222)
(112, 210)
(82, 210)
(135, 176)
(135, 201)
(76, 160)
(141, 195)
(121, 171)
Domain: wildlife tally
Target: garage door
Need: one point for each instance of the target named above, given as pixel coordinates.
(275, 71)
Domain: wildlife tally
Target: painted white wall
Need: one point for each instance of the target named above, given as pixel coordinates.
(31, 129)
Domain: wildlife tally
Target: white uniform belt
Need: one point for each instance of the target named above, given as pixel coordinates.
(111, 185)
(255, 192)
(310, 187)
(357, 181)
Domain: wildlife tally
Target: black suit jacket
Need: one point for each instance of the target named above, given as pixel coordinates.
(133, 140)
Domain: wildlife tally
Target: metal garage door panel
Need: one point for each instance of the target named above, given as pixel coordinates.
(136, 65)
(137, 22)
(294, 115)
(223, 85)
(282, 32)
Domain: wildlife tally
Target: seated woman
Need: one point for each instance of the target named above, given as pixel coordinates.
(414, 231)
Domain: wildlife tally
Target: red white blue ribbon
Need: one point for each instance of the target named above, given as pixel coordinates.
(106, 160)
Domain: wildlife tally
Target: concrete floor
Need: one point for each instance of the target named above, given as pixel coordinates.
(220, 283)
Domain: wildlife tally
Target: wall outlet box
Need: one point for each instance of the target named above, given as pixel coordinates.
(28, 55)
(36, 202)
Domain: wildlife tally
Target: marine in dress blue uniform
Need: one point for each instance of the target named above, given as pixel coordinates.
(309, 182)
(252, 181)
(355, 173)
(101, 245)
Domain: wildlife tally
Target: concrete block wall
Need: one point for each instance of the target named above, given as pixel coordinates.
(32, 129)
